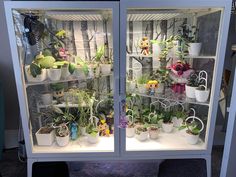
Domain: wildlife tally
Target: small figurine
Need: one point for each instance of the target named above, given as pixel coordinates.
(103, 128)
(74, 131)
(110, 121)
(144, 45)
(152, 86)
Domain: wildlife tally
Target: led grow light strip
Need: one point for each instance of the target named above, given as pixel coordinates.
(74, 15)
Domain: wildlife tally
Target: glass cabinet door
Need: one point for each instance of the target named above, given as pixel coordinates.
(170, 77)
(67, 62)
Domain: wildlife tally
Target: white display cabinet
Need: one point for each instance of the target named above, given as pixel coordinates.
(157, 42)
(118, 80)
(66, 63)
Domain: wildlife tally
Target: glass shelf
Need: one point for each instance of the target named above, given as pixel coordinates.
(200, 56)
(61, 105)
(64, 80)
(105, 144)
(166, 141)
(171, 96)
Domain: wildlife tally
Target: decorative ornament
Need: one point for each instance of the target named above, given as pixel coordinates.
(144, 45)
(152, 86)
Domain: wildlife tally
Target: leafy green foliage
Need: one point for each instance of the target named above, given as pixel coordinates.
(180, 114)
(84, 114)
(192, 127)
(193, 81)
(188, 32)
(46, 62)
(167, 117)
(35, 69)
(83, 64)
(100, 53)
(143, 79)
(92, 130)
(47, 52)
(72, 67)
(57, 86)
(161, 75)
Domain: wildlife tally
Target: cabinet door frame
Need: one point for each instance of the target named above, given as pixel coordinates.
(20, 80)
(225, 7)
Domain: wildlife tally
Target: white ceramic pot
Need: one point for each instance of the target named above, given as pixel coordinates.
(105, 69)
(45, 139)
(167, 127)
(202, 95)
(97, 71)
(65, 72)
(153, 134)
(94, 71)
(130, 132)
(194, 49)
(83, 131)
(190, 91)
(46, 98)
(54, 74)
(93, 139)
(79, 72)
(142, 136)
(142, 88)
(192, 139)
(177, 121)
(156, 50)
(38, 78)
(91, 72)
(130, 86)
(160, 88)
(63, 141)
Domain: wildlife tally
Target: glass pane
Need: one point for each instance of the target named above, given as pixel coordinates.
(67, 64)
(170, 62)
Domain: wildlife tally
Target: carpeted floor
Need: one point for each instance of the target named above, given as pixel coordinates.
(11, 167)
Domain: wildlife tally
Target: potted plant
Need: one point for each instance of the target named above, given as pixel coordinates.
(191, 86)
(179, 117)
(65, 72)
(142, 83)
(46, 98)
(62, 135)
(92, 133)
(93, 69)
(180, 72)
(45, 136)
(54, 73)
(58, 91)
(202, 93)
(141, 133)
(167, 124)
(190, 34)
(36, 71)
(153, 132)
(193, 131)
(130, 129)
(104, 62)
(162, 76)
(83, 119)
(61, 122)
(130, 85)
(81, 68)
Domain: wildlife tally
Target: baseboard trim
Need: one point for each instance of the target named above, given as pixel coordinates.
(11, 139)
